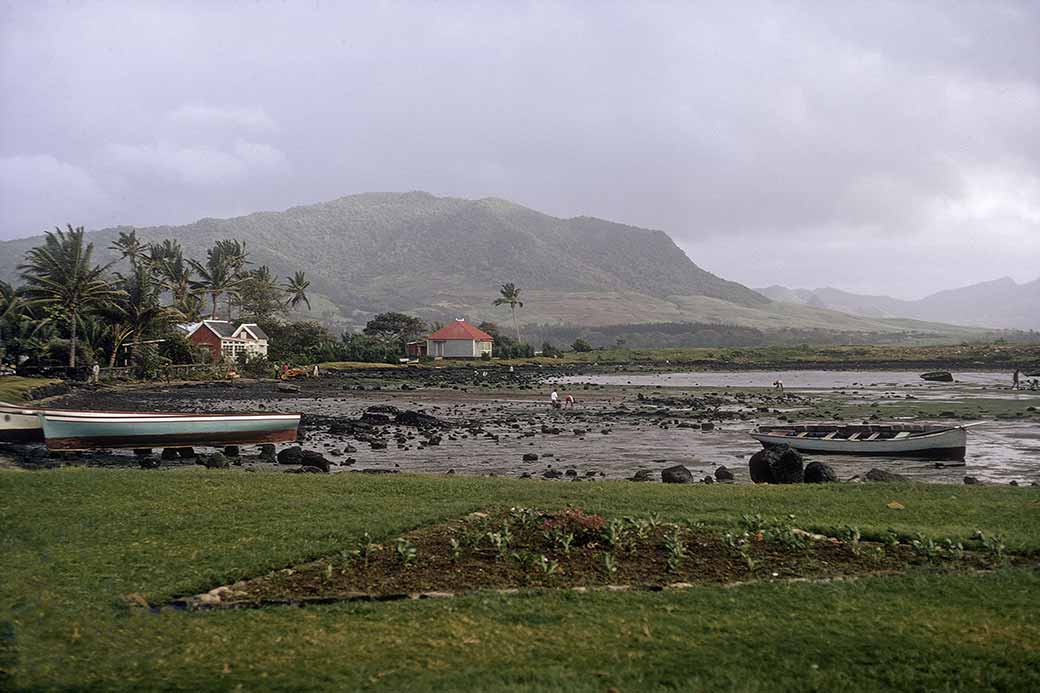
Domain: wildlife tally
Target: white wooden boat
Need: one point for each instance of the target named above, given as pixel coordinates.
(73, 432)
(20, 424)
(892, 440)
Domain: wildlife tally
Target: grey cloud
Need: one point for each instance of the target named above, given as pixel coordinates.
(856, 127)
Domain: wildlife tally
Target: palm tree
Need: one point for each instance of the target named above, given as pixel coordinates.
(296, 286)
(222, 272)
(172, 269)
(60, 275)
(128, 245)
(139, 313)
(511, 297)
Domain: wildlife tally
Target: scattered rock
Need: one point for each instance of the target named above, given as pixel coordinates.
(676, 475)
(707, 426)
(148, 462)
(551, 474)
(215, 461)
(288, 387)
(778, 465)
(530, 457)
(267, 452)
(312, 458)
(642, 475)
(708, 480)
(972, 481)
(186, 453)
(723, 474)
(231, 450)
(170, 454)
(884, 476)
(819, 473)
(293, 455)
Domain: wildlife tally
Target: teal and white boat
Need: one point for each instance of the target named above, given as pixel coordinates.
(75, 432)
(20, 424)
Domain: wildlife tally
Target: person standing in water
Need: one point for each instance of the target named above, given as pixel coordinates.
(554, 399)
(1015, 378)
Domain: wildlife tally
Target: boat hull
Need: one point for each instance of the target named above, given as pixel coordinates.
(948, 444)
(76, 433)
(22, 424)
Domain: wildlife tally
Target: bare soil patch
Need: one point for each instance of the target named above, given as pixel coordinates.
(526, 548)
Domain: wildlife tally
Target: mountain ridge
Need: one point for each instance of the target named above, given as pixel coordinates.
(1000, 303)
(445, 257)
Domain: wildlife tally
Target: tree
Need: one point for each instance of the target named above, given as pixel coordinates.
(580, 345)
(511, 297)
(296, 286)
(128, 245)
(549, 351)
(222, 272)
(259, 296)
(60, 274)
(398, 326)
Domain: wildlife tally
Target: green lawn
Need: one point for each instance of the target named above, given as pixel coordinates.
(75, 542)
(14, 388)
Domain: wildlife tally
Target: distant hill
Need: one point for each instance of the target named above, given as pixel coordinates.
(1001, 303)
(442, 257)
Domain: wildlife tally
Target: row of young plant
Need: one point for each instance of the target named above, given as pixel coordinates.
(615, 539)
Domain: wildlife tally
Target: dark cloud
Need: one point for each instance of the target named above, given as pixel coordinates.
(816, 143)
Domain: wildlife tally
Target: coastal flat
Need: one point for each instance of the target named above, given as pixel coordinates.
(84, 550)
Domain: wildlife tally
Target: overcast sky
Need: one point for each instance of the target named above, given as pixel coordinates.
(883, 147)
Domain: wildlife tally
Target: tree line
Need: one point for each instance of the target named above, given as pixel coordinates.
(70, 306)
(71, 309)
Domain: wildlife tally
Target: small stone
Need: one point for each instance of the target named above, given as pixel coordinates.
(530, 457)
(676, 475)
(972, 481)
(723, 474)
(884, 476)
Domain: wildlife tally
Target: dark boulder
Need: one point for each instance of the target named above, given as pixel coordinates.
(723, 474)
(676, 475)
(418, 419)
(293, 455)
(707, 426)
(530, 457)
(267, 452)
(375, 419)
(972, 481)
(312, 458)
(186, 453)
(215, 461)
(708, 480)
(884, 476)
(231, 450)
(170, 454)
(551, 474)
(148, 462)
(819, 473)
(779, 465)
(642, 475)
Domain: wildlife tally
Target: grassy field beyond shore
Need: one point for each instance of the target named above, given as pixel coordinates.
(76, 543)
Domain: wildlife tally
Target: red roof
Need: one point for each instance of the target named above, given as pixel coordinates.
(460, 329)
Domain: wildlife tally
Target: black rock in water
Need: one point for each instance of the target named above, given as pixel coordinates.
(170, 454)
(215, 461)
(819, 473)
(676, 475)
(530, 457)
(642, 475)
(312, 458)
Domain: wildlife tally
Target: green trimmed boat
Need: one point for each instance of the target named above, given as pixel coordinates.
(72, 432)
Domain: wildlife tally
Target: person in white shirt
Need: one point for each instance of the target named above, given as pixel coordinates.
(554, 399)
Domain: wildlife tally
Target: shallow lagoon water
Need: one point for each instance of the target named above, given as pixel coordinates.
(998, 452)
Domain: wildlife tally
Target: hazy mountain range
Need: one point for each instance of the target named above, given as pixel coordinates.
(1001, 303)
(441, 257)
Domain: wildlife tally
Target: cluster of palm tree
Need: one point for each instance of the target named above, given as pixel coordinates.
(65, 292)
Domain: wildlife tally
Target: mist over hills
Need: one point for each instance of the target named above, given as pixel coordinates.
(1001, 303)
(443, 257)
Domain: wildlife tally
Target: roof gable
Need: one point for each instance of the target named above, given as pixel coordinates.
(252, 328)
(460, 329)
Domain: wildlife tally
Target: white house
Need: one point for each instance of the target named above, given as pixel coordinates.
(459, 340)
(224, 340)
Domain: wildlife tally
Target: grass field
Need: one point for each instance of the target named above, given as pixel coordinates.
(14, 388)
(75, 542)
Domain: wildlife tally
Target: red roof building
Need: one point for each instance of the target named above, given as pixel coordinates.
(459, 340)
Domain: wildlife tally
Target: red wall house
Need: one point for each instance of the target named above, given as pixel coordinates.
(205, 336)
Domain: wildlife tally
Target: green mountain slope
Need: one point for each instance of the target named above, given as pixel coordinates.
(442, 257)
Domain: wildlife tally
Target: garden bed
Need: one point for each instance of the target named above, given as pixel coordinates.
(526, 548)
